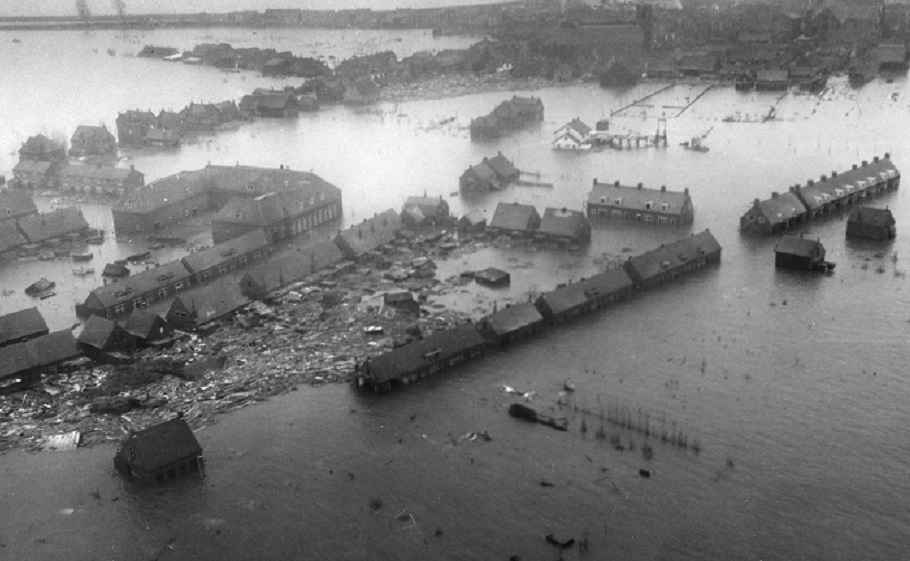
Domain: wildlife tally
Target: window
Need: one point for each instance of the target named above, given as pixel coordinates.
(222, 270)
(649, 218)
(649, 205)
(9, 212)
(617, 201)
(603, 200)
(250, 187)
(322, 196)
(180, 314)
(206, 275)
(178, 286)
(119, 309)
(162, 293)
(243, 261)
(664, 207)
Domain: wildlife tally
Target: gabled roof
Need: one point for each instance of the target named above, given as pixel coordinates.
(872, 216)
(441, 345)
(226, 251)
(483, 171)
(210, 302)
(40, 227)
(636, 198)
(673, 255)
(844, 10)
(54, 348)
(141, 283)
(514, 216)
(275, 101)
(792, 245)
(24, 323)
(502, 166)
(430, 207)
(512, 318)
(580, 128)
(771, 76)
(370, 234)
(32, 166)
(843, 183)
(578, 294)
(96, 332)
(15, 203)
(891, 53)
(164, 192)
(563, 222)
(40, 145)
(160, 445)
(10, 236)
(294, 263)
(474, 218)
(142, 323)
(781, 208)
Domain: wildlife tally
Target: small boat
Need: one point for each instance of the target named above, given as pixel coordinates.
(694, 145)
(46, 295)
(84, 270)
(81, 255)
(95, 240)
(46, 255)
(136, 257)
(40, 286)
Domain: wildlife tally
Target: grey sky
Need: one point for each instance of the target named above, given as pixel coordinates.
(68, 7)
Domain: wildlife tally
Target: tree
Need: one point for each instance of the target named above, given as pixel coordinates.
(83, 10)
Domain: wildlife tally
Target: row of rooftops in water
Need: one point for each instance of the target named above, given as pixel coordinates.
(444, 349)
(41, 228)
(816, 198)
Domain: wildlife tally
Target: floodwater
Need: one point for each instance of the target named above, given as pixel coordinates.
(793, 385)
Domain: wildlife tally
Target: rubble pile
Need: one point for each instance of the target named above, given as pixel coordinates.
(298, 336)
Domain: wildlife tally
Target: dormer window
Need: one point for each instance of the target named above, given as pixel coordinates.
(664, 207)
(649, 205)
(250, 187)
(618, 201)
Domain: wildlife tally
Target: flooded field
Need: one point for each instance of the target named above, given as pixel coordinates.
(794, 386)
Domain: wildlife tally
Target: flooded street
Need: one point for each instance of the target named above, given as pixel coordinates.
(794, 385)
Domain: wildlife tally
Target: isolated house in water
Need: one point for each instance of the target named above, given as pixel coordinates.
(794, 252)
(871, 223)
(160, 453)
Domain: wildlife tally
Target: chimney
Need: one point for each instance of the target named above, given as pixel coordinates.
(281, 166)
(875, 159)
(755, 202)
(616, 184)
(865, 163)
(810, 183)
(824, 178)
(833, 174)
(132, 167)
(663, 188)
(774, 194)
(640, 186)
(595, 182)
(686, 191)
(887, 155)
(854, 166)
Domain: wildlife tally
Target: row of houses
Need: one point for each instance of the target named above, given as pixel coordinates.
(282, 202)
(819, 198)
(443, 350)
(137, 128)
(640, 204)
(77, 178)
(39, 229)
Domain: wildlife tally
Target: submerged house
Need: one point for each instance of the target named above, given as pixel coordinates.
(358, 241)
(15, 205)
(773, 215)
(585, 296)
(137, 291)
(103, 339)
(92, 141)
(511, 323)
(288, 266)
(489, 175)
(440, 351)
(159, 453)
(514, 219)
(222, 258)
(22, 364)
(673, 260)
(871, 223)
(793, 252)
(21, 326)
(44, 227)
(194, 308)
(640, 204)
(147, 327)
(564, 226)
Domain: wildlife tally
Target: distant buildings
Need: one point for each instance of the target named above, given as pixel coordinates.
(491, 174)
(115, 182)
(640, 204)
(42, 149)
(510, 115)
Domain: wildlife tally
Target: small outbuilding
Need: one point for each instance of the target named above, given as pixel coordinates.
(492, 276)
(159, 453)
(871, 223)
(105, 340)
(147, 327)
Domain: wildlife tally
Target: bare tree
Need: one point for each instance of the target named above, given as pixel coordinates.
(119, 7)
(83, 10)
